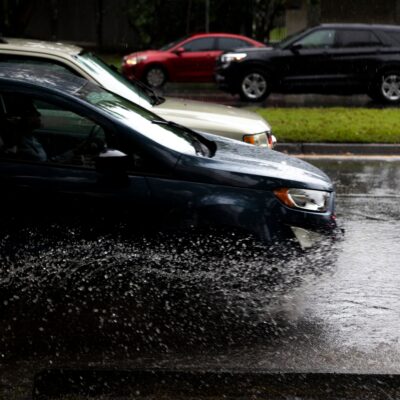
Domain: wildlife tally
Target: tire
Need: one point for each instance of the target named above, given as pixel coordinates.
(387, 88)
(254, 86)
(155, 77)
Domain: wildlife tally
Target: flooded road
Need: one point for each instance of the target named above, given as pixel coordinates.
(146, 304)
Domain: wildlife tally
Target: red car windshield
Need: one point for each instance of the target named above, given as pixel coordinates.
(173, 44)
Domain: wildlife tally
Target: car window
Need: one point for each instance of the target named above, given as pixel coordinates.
(139, 119)
(112, 80)
(203, 44)
(35, 130)
(226, 44)
(172, 44)
(94, 67)
(394, 36)
(357, 38)
(290, 39)
(318, 39)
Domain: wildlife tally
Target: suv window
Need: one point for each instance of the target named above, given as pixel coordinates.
(203, 44)
(357, 38)
(394, 35)
(226, 44)
(318, 39)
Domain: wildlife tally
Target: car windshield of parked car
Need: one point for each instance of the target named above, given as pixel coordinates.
(290, 39)
(141, 120)
(114, 81)
(172, 44)
(317, 39)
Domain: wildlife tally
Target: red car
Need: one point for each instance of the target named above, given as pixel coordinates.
(191, 59)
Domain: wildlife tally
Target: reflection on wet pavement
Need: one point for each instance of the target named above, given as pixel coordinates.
(358, 306)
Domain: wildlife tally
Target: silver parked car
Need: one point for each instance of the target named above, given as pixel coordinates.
(217, 119)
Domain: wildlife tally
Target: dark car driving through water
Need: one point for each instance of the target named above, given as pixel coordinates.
(70, 147)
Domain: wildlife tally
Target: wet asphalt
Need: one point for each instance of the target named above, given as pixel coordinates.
(210, 93)
(154, 308)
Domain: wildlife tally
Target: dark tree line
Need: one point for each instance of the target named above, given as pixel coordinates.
(156, 22)
(15, 15)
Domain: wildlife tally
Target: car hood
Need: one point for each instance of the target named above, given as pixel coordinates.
(252, 50)
(255, 51)
(212, 118)
(240, 164)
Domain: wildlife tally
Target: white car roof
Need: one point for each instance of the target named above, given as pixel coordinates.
(39, 46)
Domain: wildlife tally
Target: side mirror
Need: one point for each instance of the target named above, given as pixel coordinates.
(296, 47)
(112, 162)
(179, 51)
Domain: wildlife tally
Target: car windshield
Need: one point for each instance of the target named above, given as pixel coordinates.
(115, 82)
(143, 121)
(173, 43)
(290, 39)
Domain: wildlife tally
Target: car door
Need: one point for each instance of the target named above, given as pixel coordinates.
(53, 175)
(305, 65)
(195, 60)
(356, 56)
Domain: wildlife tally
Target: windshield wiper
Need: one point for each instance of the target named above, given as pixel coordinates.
(201, 145)
(150, 92)
(155, 98)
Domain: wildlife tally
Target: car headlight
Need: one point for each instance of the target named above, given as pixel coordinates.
(265, 139)
(305, 199)
(229, 57)
(259, 139)
(135, 60)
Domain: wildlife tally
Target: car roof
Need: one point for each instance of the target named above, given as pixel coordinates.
(359, 26)
(39, 46)
(204, 34)
(44, 77)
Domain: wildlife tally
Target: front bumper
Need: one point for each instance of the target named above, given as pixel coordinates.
(227, 78)
(132, 72)
(223, 83)
(308, 229)
(308, 239)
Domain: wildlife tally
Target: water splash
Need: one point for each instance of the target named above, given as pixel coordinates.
(60, 286)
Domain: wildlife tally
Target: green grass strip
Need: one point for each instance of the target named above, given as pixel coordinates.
(334, 125)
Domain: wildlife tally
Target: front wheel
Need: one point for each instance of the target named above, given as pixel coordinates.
(387, 88)
(254, 86)
(155, 77)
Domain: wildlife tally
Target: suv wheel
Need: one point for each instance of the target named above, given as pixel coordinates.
(254, 86)
(155, 77)
(388, 87)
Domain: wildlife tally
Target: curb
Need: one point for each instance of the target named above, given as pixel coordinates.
(381, 149)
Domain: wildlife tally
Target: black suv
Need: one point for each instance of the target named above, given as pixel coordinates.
(329, 58)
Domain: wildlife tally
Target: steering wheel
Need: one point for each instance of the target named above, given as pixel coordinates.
(93, 144)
